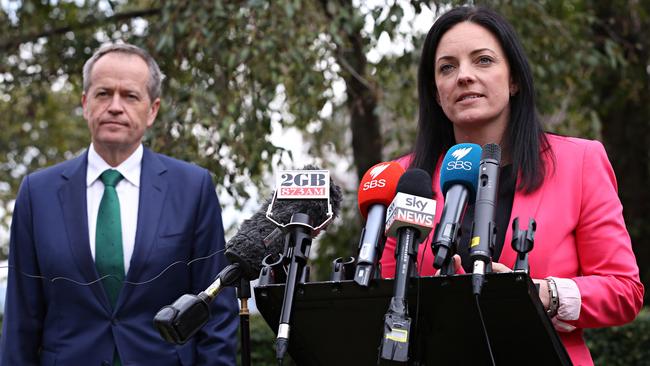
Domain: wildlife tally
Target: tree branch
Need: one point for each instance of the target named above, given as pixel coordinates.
(13, 42)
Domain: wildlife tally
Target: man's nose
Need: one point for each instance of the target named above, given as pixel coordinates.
(116, 104)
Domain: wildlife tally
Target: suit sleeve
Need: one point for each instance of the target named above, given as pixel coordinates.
(25, 302)
(217, 340)
(610, 289)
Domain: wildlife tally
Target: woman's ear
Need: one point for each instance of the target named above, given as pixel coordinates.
(514, 88)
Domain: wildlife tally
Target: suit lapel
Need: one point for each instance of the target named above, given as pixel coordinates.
(153, 188)
(72, 197)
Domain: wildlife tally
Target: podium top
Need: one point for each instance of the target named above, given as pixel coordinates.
(341, 323)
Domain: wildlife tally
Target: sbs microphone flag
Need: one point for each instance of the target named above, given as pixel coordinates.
(376, 191)
(458, 180)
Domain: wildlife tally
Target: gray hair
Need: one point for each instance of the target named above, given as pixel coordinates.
(155, 76)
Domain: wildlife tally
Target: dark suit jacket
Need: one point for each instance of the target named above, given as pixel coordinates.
(62, 323)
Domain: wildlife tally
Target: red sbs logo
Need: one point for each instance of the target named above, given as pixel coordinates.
(374, 173)
(375, 183)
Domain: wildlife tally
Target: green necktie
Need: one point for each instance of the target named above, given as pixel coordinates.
(109, 257)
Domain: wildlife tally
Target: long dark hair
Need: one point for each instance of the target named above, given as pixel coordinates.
(525, 137)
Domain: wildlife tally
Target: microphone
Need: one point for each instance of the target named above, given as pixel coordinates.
(484, 227)
(178, 322)
(256, 238)
(322, 200)
(410, 217)
(376, 190)
(458, 179)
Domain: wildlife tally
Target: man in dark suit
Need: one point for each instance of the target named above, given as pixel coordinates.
(122, 213)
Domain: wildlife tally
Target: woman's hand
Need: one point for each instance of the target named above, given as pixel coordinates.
(458, 267)
(543, 284)
(543, 293)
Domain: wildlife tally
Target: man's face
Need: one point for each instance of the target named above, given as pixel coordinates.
(117, 106)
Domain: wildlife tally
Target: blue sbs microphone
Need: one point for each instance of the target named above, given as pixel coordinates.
(458, 180)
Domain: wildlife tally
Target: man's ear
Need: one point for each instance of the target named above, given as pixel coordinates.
(83, 104)
(153, 112)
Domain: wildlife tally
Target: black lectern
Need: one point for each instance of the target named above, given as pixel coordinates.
(340, 323)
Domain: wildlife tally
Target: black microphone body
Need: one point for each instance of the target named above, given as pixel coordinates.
(299, 243)
(407, 243)
(178, 322)
(448, 228)
(411, 216)
(397, 322)
(299, 232)
(256, 238)
(484, 228)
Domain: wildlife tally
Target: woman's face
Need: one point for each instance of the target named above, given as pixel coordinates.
(473, 81)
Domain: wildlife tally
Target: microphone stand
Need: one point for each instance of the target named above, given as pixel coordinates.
(298, 242)
(523, 242)
(243, 294)
(397, 323)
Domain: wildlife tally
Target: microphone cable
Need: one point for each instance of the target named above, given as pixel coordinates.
(485, 332)
(416, 323)
(63, 278)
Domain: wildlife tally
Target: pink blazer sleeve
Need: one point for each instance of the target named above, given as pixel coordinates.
(387, 259)
(609, 284)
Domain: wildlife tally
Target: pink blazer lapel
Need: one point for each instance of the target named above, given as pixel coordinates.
(524, 207)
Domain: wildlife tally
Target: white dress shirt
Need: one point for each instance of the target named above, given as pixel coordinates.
(128, 192)
(570, 304)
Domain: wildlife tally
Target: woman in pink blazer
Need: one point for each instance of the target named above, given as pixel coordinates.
(475, 86)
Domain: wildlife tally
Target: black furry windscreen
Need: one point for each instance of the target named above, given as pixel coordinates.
(247, 246)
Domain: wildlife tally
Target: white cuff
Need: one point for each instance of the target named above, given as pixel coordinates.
(570, 303)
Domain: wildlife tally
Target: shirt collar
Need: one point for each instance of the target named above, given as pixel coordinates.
(130, 168)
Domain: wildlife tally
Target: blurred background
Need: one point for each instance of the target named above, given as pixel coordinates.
(255, 86)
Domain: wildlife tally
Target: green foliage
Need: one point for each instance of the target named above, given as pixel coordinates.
(238, 72)
(262, 344)
(231, 76)
(621, 346)
(235, 73)
(341, 240)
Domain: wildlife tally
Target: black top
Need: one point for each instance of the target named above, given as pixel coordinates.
(505, 197)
